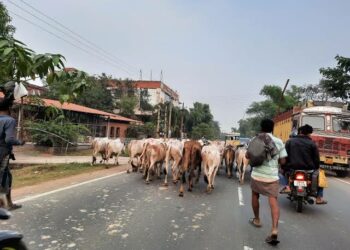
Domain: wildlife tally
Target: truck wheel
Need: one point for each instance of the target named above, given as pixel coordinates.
(299, 206)
(341, 173)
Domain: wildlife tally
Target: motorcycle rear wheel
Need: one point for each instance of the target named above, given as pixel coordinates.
(13, 245)
(299, 205)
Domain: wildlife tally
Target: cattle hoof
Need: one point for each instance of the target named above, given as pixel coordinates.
(212, 187)
(147, 182)
(181, 194)
(165, 184)
(174, 182)
(189, 190)
(230, 176)
(128, 171)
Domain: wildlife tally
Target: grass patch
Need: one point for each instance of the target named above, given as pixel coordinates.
(35, 174)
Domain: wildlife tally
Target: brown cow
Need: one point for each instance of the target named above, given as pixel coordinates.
(229, 157)
(191, 160)
(154, 155)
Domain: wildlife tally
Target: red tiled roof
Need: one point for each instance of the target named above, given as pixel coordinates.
(83, 109)
(148, 84)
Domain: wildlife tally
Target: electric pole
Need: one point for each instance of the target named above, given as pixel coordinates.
(182, 122)
(169, 126)
(165, 122)
(158, 121)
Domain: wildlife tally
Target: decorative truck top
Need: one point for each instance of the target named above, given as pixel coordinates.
(331, 123)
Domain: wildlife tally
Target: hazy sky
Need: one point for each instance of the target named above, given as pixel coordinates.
(217, 52)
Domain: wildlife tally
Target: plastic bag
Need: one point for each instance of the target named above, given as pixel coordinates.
(322, 179)
(20, 91)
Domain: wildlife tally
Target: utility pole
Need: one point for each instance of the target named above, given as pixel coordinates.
(140, 74)
(281, 99)
(169, 126)
(165, 122)
(158, 121)
(161, 75)
(182, 122)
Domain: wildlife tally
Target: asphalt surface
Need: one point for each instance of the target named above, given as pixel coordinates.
(122, 212)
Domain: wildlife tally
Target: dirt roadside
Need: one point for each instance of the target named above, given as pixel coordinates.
(43, 187)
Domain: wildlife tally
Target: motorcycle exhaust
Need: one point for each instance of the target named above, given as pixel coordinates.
(310, 201)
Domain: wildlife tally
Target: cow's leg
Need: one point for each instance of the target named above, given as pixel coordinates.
(215, 172)
(116, 159)
(243, 172)
(159, 167)
(198, 173)
(181, 192)
(166, 175)
(149, 169)
(93, 160)
(210, 179)
(175, 167)
(190, 180)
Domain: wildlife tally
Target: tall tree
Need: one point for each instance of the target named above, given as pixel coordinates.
(336, 81)
(6, 29)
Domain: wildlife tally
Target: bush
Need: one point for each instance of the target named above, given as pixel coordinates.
(56, 132)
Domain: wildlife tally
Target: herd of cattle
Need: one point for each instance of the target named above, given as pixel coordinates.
(188, 157)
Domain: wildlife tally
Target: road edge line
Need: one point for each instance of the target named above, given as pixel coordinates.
(342, 181)
(33, 197)
(240, 196)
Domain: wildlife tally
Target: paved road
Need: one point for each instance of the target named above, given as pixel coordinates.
(121, 212)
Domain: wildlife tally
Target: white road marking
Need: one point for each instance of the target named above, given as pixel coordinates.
(342, 181)
(29, 198)
(247, 248)
(240, 196)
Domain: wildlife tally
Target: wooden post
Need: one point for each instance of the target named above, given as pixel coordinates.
(169, 126)
(182, 122)
(165, 122)
(158, 121)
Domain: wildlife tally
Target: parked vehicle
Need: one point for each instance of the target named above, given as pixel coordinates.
(331, 124)
(10, 240)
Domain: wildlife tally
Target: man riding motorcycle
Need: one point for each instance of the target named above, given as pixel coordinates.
(303, 154)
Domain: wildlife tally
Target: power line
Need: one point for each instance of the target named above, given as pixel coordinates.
(53, 34)
(80, 37)
(40, 19)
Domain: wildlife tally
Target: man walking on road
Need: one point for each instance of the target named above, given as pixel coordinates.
(265, 181)
(7, 141)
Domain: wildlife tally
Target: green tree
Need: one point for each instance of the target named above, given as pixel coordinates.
(127, 106)
(6, 29)
(336, 81)
(97, 95)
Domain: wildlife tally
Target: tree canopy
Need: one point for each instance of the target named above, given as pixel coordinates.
(336, 81)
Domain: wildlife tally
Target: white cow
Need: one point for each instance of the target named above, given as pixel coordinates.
(114, 149)
(174, 153)
(135, 148)
(210, 163)
(241, 162)
(99, 146)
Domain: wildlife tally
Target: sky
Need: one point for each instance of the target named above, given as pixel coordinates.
(218, 52)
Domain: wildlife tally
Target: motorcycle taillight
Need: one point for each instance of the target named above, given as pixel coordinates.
(300, 177)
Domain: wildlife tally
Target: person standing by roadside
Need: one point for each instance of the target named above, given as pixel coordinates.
(265, 181)
(7, 141)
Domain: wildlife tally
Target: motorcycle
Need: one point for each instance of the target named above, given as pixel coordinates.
(303, 186)
(10, 240)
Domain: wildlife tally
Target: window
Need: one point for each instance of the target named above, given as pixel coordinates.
(341, 124)
(111, 132)
(317, 122)
(118, 132)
